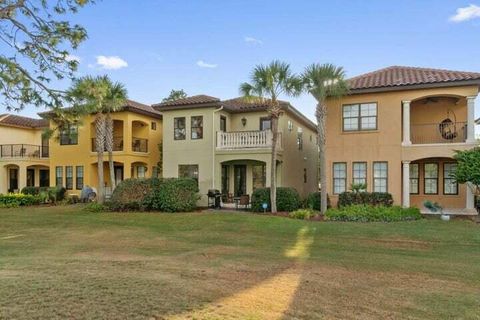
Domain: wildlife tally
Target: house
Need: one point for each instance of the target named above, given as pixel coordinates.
(24, 155)
(397, 131)
(227, 145)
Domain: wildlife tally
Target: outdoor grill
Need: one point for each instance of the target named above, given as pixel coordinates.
(214, 198)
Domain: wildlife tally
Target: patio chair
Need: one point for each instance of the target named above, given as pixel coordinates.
(245, 201)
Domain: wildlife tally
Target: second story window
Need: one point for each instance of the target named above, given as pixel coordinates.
(179, 128)
(300, 138)
(154, 125)
(265, 123)
(359, 117)
(197, 128)
(223, 124)
(69, 134)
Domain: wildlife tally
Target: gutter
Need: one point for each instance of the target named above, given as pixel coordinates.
(214, 143)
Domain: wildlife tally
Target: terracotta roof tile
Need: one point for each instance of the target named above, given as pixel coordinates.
(198, 99)
(23, 122)
(240, 104)
(397, 76)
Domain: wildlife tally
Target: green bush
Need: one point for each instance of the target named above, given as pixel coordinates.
(94, 207)
(303, 214)
(369, 213)
(168, 195)
(49, 194)
(313, 201)
(13, 200)
(367, 198)
(288, 199)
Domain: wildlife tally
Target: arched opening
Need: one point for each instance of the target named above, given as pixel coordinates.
(242, 177)
(139, 170)
(438, 119)
(117, 135)
(139, 136)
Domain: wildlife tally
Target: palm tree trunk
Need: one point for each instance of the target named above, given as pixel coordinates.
(100, 147)
(273, 173)
(321, 115)
(109, 148)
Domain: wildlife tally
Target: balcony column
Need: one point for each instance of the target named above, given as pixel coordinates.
(470, 198)
(471, 119)
(406, 184)
(406, 123)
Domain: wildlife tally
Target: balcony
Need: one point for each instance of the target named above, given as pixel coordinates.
(246, 140)
(139, 145)
(438, 133)
(23, 151)
(117, 144)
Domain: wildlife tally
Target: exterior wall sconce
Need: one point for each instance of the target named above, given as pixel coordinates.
(244, 121)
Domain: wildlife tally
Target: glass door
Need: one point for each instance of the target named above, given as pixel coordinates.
(240, 181)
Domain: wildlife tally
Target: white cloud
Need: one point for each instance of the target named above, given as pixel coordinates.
(111, 62)
(466, 13)
(203, 64)
(72, 57)
(252, 40)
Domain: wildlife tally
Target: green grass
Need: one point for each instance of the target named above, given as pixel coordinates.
(62, 262)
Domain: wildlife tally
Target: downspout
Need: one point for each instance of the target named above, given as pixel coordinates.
(214, 145)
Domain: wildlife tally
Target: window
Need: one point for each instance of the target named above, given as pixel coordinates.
(380, 177)
(359, 173)
(259, 175)
(300, 138)
(430, 171)
(414, 178)
(154, 126)
(265, 124)
(290, 125)
(223, 124)
(357, 117)
(79, 176)
(339, 177)
(69, 134)
(59, 176)
(188, 171)
(450, 185)
(141, 170)
(305, 175)
(197, 127)
(69, 177)
(179, 128)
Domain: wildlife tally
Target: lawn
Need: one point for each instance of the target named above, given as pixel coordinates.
(65, 263)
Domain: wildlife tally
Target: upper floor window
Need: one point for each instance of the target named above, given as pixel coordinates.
(154, 125)
(300, 138)
(223, 124)
(290, 125)
(265, 123)
(179, 128)
(69, 134)
(357, 117)
(197, 127)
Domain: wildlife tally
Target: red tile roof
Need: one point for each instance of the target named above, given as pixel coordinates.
(398, 76)
(13, 120)
(193, 100)
(241, 104)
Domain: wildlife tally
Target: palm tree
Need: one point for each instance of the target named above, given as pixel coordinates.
(324, 81)
(99, 96)
(267, 84)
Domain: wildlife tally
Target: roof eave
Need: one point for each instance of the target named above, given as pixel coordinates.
(417, 86)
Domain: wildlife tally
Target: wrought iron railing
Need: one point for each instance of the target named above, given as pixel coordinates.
(444, 132)
(23, 151)
(139, 145)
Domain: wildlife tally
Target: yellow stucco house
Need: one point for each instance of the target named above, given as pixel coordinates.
(397, 131)
(226, 145)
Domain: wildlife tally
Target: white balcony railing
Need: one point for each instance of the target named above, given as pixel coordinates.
(246, 140)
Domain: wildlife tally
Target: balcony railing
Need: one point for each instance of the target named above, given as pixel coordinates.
(246, 140)
(139, 145)
(23, 151)
(447, 132)
(117, 144)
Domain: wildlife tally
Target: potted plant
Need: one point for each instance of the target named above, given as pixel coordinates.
(436, 207)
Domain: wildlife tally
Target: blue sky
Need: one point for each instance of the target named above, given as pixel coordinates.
(210, 46)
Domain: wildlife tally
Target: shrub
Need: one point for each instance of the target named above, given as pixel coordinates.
(288, 199)
(130, 194)
(94, 207)
(173, 195)
(13, 200)
(366, 198)
(47, 194)
(313, 201)
(369, 213)
(303, 214)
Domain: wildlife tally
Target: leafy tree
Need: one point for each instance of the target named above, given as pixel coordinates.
(267, 84)
(468, 168)
(175, 95)
(36, 50)
(100, 96)
(324, 81)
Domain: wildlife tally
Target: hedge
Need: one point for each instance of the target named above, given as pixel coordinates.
(369, 213)
(366, 198)
(49, 193)
(168, 195)
(313, 201)
(288, 199)
(13, 200)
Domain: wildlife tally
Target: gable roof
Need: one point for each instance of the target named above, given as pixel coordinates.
(200, 100)
(13, 120)
(400, 78)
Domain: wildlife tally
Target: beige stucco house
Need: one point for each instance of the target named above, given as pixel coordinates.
(226, 145)
(397, 131)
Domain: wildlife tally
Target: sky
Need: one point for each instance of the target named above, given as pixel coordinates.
(211, 46)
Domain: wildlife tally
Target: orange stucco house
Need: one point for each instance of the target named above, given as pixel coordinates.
(397, 131)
